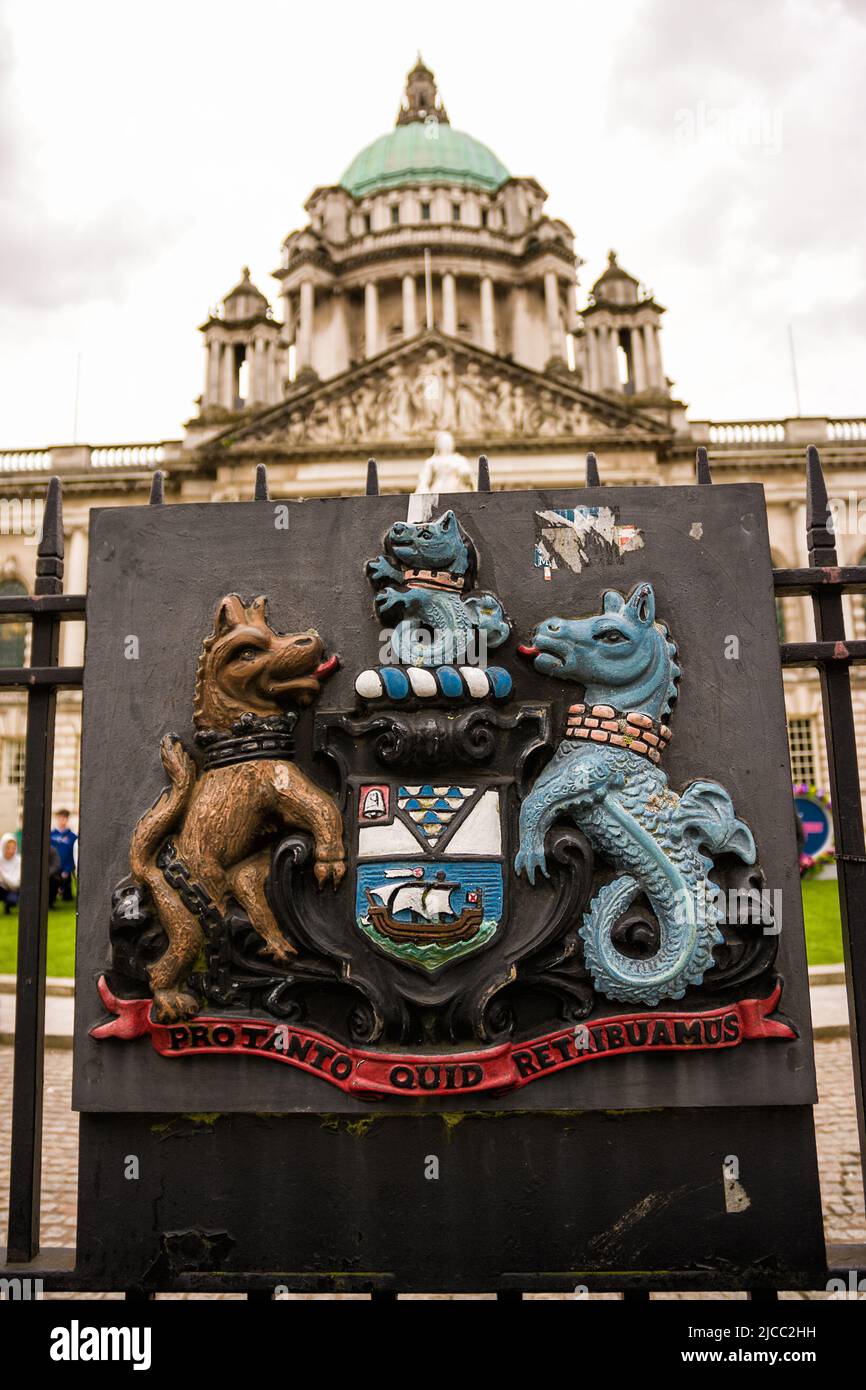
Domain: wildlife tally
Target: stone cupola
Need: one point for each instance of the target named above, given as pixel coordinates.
(622, 344)
(244, 353)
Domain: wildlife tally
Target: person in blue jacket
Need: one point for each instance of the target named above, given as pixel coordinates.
(64, 839)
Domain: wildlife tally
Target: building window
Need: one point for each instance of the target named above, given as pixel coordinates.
(367, 222)
(13, 767)
(455, 212)
(425, 212)
(801, 746)
(395, 214)
(13, 635)
(485, 217)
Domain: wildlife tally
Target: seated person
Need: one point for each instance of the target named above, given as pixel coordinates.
(10, 872)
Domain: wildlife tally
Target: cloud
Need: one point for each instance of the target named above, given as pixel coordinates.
(745, 114)
(48, 262)
(50, 257)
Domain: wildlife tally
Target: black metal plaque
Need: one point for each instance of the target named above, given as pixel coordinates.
(481, 810)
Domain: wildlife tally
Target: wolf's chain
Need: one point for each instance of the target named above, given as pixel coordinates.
(194, 897)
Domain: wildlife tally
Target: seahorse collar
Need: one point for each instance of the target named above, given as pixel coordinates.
(638, 733)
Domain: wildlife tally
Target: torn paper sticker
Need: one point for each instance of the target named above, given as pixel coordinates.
(578, 536)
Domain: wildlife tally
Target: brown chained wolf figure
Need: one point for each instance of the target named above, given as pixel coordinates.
(204, 841)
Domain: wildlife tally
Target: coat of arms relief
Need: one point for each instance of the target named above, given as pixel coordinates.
(474, 890)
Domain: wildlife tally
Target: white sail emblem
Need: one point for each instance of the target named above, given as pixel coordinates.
(429, 900)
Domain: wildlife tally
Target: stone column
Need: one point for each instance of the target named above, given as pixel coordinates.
(449, 304)
(254, 370)
(594, 382)
(267, 372)
(227, 377)
(288, 319)
(371, 319)
(488, 315)
(410, 307)
(205, 395)
(519, 333)
(555, 344)
(638, 363)
(212, 388)
(653, 357)
(72, 653)
(603, 357)
(612, 358)
(304, 341)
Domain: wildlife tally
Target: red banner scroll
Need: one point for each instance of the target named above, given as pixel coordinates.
(364, 1072)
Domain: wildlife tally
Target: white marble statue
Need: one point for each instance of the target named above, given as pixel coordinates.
(445, 470)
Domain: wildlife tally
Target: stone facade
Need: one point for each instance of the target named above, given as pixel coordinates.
(431, 292)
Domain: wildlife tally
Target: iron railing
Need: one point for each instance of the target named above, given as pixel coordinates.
(832, 653)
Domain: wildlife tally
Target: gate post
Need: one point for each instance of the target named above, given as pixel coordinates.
(24, 1196)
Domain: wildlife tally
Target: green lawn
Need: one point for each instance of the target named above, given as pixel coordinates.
(820, 904)
(823, 927)
(61, 941)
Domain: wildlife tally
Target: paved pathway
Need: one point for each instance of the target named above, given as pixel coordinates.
(841, 1185)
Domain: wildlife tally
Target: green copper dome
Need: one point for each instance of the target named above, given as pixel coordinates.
(410, 154)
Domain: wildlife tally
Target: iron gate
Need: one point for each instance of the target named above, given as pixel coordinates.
(831, 652)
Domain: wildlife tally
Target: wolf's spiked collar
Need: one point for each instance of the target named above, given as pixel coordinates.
(638, 733)
(249, 739)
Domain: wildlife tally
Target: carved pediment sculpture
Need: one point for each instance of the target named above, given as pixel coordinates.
(434, 390)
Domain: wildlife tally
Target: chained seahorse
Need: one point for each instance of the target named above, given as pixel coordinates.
(605, 775)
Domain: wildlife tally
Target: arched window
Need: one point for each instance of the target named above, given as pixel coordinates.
(13, 633)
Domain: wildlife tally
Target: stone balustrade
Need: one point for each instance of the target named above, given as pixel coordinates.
(800, 429)
(126, 458)
(25, 460)
(84, 458)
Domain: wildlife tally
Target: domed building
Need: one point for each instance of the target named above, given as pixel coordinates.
(432, 291)
(431, 294)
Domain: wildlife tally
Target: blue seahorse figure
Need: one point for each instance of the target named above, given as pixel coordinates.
(435, 563)
(606, 776)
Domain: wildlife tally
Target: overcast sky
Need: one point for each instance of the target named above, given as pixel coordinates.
(149, 150)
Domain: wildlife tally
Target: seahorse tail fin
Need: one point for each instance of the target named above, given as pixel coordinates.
(706, 813)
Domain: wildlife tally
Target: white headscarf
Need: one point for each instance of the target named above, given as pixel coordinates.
(10, 869)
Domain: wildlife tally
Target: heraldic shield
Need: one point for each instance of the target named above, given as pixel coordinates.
(430, 867)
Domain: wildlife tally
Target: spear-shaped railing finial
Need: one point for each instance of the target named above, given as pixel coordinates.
(592, 475)
(261, 493)
(49, 554)
(372, 488)
(820, 539)
(483, 473)
(702, 466)
(157, 489)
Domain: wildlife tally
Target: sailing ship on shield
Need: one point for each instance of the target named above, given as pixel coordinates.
(429, 875)
(432, 916)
